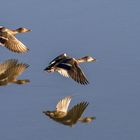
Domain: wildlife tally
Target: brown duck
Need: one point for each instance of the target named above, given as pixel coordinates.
(8, 39)
(69, 67)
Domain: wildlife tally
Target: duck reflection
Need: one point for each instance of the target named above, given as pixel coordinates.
(69, 67)
(10, 70)
(71, 117)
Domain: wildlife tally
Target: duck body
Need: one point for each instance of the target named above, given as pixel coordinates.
(60, 117)
(69, 67)
(8, 39)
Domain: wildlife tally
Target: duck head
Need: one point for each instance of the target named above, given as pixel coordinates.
(20, 82)
(89, 59)
(22, 30)
(86, 59)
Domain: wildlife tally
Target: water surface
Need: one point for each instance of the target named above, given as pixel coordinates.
(108, 30)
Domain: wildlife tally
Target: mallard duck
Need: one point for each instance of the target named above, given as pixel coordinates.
(69, 67)
(10, 70)
(8, 39)
(71, 117)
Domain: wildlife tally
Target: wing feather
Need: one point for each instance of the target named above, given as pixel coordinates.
(7, 65)
(77, 74)
(15, 45)
(16, 71)
(63, 104)
(76, 112)
(12, 43)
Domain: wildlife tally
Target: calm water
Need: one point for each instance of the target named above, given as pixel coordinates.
(108, 30)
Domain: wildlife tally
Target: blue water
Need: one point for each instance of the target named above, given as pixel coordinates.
(107, 30)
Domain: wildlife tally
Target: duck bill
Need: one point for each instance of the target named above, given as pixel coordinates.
(28, 30)
(94, 59)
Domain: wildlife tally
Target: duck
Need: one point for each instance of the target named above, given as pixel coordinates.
(69, 67)
(8, 39)
(69, 117)
(10, 70)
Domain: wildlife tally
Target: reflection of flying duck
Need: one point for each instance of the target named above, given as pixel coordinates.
(69, 67)
(63, 116)
(10, 70)
(8, 39)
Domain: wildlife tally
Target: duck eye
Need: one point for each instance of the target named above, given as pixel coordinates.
(20, 29)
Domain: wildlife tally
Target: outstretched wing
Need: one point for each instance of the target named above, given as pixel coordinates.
(9, 41)
(72, 70)
(78, 75)
(75, 113)
(16, 71)
(7, 65)
(63, 104)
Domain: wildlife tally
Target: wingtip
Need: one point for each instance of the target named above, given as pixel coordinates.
(26, 65)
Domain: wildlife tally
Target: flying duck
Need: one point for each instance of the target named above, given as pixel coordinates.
(69, 117)
(8, 39)
(69, 67)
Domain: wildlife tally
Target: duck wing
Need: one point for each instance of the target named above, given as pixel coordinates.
(12, 43)
(63, 104)
(69, 68)
(6, 70)
(59, 58)
(16, 71)
(75, 113)
(7, 65)
(77, 74)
